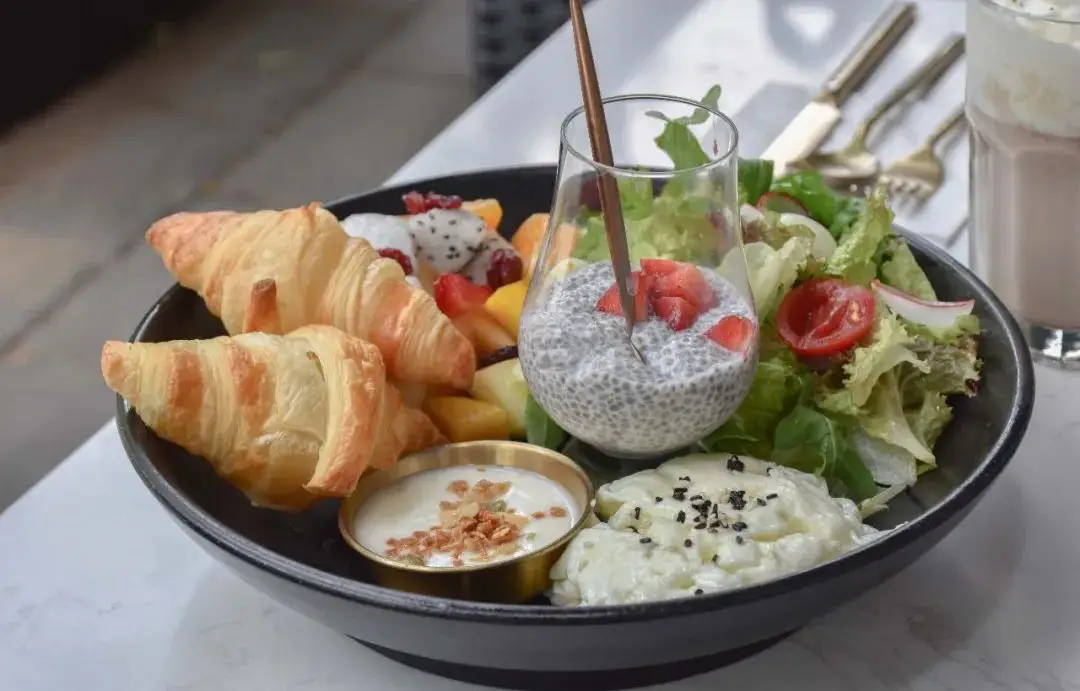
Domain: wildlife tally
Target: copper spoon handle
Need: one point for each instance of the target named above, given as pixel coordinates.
(601, 151)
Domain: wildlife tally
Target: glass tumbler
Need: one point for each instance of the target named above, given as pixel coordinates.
(1023, 103)
(676, 169)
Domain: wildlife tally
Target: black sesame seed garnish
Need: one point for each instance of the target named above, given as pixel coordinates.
(705, 506)
(637, 512)
(713, 531)
(717, 524)
(699, 526)
(685, 479)
(761, 501)
(696, 497)
(633, 529)
(645, 540)
(739, 540)
(738, 526)
(699, 591)
(715, 558)
(735, 465)
(737, 500)
(681, 517)
(659, 499)
(774, 495)
(688, 542)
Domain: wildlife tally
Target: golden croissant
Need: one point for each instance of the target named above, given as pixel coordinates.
(286, 419)
(275, 271)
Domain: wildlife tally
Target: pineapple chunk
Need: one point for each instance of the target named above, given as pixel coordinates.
(467, 419)
(506, 304)
(483, 331)
(504, 385)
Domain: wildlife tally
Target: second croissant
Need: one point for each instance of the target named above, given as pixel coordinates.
(275, 271)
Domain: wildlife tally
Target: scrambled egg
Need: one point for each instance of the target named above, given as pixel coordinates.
(702, 524)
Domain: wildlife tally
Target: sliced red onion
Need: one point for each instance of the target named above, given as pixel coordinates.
(930, 313)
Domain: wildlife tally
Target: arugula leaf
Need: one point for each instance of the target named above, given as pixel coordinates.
(755, 178)
(813, 442)
(810, 190)
(540, 429)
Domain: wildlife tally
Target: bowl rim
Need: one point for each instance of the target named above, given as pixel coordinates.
(198, 521)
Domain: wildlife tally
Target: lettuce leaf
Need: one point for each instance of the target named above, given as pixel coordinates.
(855, 258)
(772, 272)
(901, 271)
(775, 389)
(889, 348)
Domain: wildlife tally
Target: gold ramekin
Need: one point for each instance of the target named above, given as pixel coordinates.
(512, 580)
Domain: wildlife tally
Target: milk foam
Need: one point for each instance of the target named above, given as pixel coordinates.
(1024, 63)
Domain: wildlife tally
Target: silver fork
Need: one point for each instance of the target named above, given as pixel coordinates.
(919, 175)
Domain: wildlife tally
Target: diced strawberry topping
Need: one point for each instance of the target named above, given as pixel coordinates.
(732, 332)
(640, 287)
(455, 295)
(659, 267)
(505, 268)
(677, 312)
(417, 203)
(686, 282)
(398, 256)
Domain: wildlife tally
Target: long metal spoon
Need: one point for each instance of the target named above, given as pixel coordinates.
(599, 140)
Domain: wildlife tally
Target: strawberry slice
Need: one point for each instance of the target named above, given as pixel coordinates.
(733, 333)
(455, 295)
(686, 282)
(659, 267)
(640, 285)
(677, 312)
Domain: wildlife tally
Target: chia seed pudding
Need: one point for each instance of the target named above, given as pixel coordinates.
(581, 370)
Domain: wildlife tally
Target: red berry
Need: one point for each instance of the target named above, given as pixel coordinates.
(398, 256)
(732, 332)
(677, 312)
(455, 295)
(640, 288)
(416, 203)
(687, 283)
(659, 267)
(505, 268)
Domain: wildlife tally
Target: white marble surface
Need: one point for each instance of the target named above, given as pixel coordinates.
(99, 591)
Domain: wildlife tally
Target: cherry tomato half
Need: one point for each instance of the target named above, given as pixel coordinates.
(825, 316)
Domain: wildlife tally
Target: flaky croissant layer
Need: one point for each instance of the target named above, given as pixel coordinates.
(286, 419)
(276, 271)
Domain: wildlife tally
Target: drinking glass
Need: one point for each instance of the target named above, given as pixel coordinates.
(1023, 102)
(676, 166)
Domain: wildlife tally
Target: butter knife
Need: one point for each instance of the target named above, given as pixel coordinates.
(816, 121)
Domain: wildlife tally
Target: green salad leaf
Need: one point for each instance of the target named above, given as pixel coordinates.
(889, 348)
(809, 440)
(901, 271)
(775, 389)
(855, 258)
(540, 429)
(772, 272)
(755, 178)
(810, 190)
(848, 211)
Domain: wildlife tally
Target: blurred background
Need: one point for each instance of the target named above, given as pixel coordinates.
(118, 112)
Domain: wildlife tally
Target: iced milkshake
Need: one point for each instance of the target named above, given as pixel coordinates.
(1023, 102)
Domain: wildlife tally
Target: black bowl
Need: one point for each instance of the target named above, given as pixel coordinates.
(302, 562)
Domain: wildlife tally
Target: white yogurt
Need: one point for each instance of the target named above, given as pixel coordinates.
(1023, 62)
(412, 505)
(768, 521)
